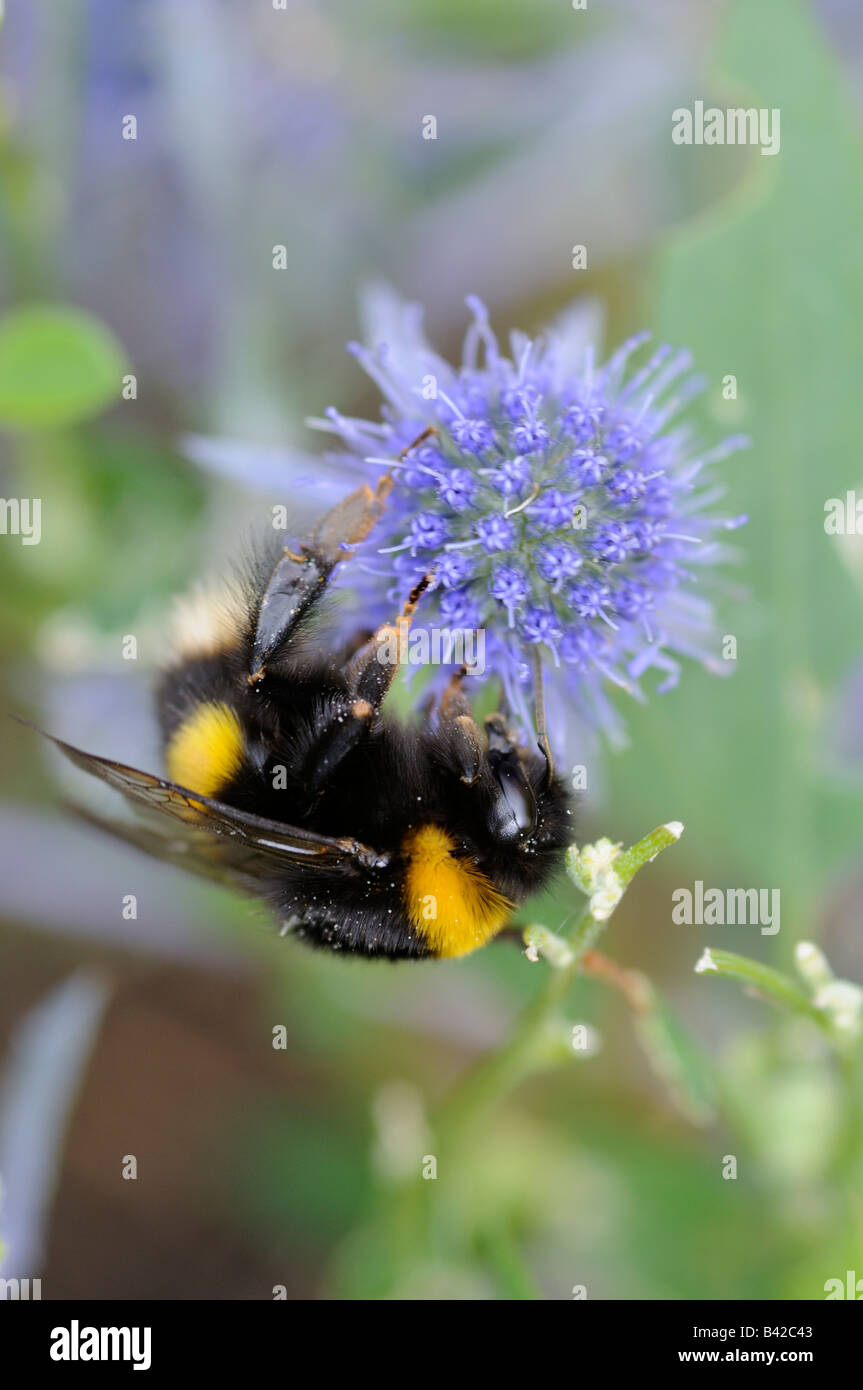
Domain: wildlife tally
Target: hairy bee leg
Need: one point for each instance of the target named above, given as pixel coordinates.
(387, 646)
(300, 576)
(370, 674)
(468, 744)
(501, 737)
(294, 585)
(351, 520)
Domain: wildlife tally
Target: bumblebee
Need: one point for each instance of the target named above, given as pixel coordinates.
(287, 781)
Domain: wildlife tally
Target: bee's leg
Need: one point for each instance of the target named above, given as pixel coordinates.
(501, 738)
(455, 717)
(347, 650)
(301, 574)
(351, 520)
(369, 674)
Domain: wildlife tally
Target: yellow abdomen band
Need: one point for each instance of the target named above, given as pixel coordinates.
(449, 902)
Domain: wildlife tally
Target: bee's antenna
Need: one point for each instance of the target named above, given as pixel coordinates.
(539, 711)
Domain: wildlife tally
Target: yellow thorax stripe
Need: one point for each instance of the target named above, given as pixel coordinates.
(206, 750)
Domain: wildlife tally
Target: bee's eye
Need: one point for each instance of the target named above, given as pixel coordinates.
(514, 812)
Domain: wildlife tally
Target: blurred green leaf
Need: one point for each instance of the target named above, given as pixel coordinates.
(789, 1106)
(117, 505)
(677, 1059)
(769, 287)
(500, 1254)
(298, 1175)
(58, 365)
(494, 30)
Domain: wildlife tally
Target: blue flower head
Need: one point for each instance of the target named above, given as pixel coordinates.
(560, 505)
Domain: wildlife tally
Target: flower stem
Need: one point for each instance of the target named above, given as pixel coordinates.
(503, 1259)
(602, 871)
(764, 981)
(500, 1071)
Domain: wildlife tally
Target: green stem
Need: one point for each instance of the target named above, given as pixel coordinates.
(502, 1257)
(770, 984)
(583, 937)
(599, 867)
(498, 1072)
(646, 850)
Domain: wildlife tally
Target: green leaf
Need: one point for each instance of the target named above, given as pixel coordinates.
(489, 30)
(58, 366)
(769, 287)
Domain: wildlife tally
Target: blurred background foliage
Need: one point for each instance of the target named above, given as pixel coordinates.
(297, 1167)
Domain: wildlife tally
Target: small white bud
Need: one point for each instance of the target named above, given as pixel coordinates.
(605, 900)
(705, 963)
(843, 1001)
(812, 965)
(542, 942)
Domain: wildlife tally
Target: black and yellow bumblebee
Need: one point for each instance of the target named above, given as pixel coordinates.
(286, 780)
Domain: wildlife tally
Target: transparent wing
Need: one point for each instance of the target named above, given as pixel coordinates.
(223, 861)
(205, 833)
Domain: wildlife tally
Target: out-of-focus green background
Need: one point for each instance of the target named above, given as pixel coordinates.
(153, 1037)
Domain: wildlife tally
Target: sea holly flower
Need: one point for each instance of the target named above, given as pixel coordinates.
(559, 504)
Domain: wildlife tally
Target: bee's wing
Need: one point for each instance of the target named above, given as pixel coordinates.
(224, 861)
(241, 844)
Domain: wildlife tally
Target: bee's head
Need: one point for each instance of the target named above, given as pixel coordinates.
(514, 807)
(510, 815)
(527, 810)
